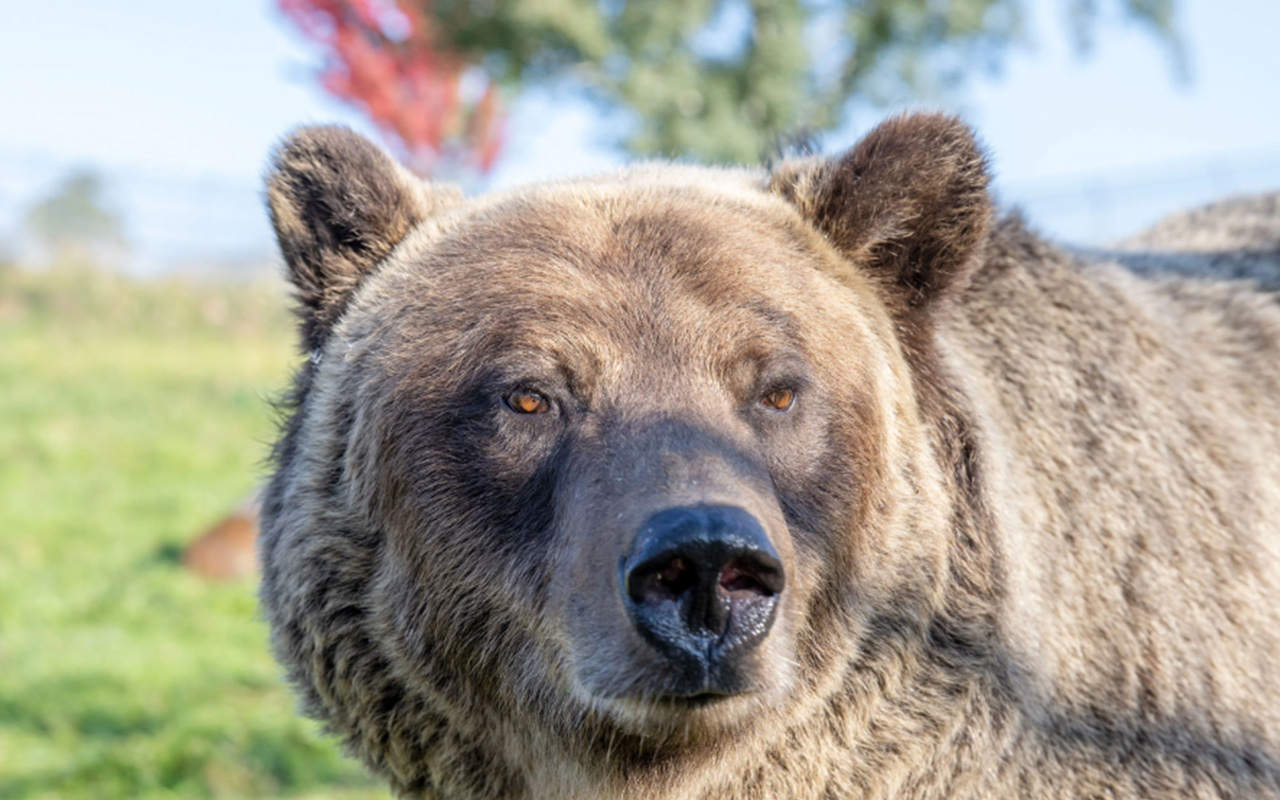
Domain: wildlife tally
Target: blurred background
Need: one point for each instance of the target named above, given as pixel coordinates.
(144, 326)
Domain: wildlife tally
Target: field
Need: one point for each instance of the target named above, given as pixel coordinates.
(132, 415)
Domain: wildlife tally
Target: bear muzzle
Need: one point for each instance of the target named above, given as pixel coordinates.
(702, 586)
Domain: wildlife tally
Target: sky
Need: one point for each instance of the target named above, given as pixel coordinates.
(179, 103)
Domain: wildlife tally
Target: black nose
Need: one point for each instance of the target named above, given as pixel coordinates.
(702, 584)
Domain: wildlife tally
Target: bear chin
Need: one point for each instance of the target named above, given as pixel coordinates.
(699, 716)
(687, 721)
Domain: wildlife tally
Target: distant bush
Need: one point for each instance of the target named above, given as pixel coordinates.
(81, 297)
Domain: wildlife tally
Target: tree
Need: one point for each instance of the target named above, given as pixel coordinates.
(717, 80)
(74, 220)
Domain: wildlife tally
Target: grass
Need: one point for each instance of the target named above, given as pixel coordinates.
(133, 415)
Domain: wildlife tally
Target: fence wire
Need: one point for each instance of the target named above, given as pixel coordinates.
(178, 222)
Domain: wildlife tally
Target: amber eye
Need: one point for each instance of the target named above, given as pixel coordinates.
(778, 399)
(528, 403)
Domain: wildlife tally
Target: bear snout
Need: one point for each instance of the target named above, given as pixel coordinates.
(702, 586)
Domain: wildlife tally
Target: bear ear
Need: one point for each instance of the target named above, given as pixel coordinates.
(339, 205)
(908, 203)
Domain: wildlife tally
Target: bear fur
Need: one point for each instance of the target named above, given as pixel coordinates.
(1026, 498)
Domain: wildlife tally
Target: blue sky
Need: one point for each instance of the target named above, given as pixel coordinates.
(179, 103)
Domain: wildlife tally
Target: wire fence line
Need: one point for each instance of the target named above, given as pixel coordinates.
(171, 221)
(178, 222)
(1096, 207)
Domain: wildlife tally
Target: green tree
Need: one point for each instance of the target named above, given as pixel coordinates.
(715, 80)
(720, 80)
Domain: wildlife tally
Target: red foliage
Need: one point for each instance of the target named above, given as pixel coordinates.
(385, 57)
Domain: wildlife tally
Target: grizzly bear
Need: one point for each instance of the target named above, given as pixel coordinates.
(823, 481)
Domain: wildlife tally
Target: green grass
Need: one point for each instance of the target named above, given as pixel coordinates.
(132, 415)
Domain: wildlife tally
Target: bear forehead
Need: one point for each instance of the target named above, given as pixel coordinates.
(613, 272)
(575, 248)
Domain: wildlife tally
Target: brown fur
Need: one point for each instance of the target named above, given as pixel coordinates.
(1025, 499)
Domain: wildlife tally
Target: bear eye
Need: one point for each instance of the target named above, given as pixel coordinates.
(779, 399)
(526, 402)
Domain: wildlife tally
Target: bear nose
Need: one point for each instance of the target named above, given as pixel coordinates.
(702, 582)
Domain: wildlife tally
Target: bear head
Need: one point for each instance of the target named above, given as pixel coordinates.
(592, 475)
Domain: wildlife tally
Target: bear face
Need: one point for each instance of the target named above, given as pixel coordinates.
(612, 472)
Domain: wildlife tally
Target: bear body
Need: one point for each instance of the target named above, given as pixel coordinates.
(821, 483)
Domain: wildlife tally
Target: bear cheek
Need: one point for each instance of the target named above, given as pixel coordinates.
(461, 624)
(461, 579)
(850, 481)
